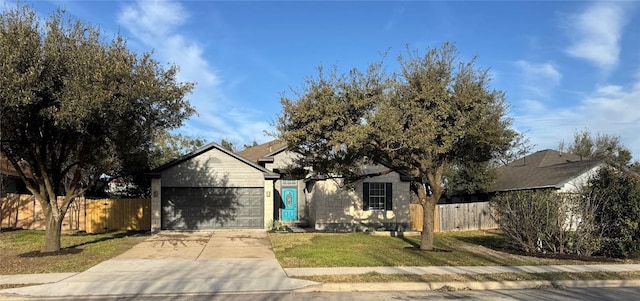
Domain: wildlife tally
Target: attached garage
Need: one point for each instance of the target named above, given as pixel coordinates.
(211, 188)
(196, 208)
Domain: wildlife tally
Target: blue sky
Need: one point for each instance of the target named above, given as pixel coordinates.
(564, 66)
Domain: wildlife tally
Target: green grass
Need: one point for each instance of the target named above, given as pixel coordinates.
(20, 251)
(377, 277)
(469, 248)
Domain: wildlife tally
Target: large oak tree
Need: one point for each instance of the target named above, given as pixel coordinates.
(75, 106)
(435, 113)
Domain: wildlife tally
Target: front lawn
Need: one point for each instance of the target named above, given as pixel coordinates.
(468, 248)
(20, 251)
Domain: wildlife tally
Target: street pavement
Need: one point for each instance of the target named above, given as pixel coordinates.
(178, 263)
(205, 262)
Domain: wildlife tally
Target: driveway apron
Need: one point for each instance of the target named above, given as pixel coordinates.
(179, 263)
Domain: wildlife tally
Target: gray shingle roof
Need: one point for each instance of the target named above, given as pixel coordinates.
(543, 169)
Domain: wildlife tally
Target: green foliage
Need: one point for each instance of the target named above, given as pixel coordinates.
(600, 146)
(603, 218)
(619, 219)
(469, 178)
(75, 107)
(435, 113)
(254, 143)
(167, 147)
(276, 225)
(228, 145)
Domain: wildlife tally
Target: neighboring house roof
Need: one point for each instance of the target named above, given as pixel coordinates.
(6, 168)
(543, 169)
(263, 151)
(267, 173)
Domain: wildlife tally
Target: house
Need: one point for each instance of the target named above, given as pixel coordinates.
(333, 203)
(546, 169)
(10, 181)
(213, 188)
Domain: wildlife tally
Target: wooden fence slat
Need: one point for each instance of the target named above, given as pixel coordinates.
(456, 217)
(90, 215)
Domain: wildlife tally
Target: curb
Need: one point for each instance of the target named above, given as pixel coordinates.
(472, 285)
(34, 278)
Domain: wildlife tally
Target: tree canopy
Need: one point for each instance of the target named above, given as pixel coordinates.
(168, 146)
(436, 112)
(75, 106)
(601, 146)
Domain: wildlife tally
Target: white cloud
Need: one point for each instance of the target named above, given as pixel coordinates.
(153, 18)
(539, 78)
(596, 33)
(608, 109)
(159, 25)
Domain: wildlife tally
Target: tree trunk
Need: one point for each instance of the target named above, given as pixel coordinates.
(53, 231)
(429, 202)
(428, 224)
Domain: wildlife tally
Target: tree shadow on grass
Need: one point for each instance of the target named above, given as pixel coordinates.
(416, 246)
(74, 249)
(501, 244)
(63, 251)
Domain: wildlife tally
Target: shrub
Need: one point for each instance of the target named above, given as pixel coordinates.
(619, 217)
(602, 218)
(544, 221)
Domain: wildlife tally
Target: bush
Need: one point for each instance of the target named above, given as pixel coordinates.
(525, 217)
(603, 218)
(619, 218)
(543, 221)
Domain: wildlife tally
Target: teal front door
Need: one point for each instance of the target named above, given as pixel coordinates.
(290, 200)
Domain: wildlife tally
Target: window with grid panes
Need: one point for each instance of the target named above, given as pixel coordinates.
(377, 196)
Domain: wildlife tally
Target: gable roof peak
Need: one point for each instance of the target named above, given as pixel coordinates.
(258, 152)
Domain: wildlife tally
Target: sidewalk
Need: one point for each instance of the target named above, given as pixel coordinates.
(435, 270)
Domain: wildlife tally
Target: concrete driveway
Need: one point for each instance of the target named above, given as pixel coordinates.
(203, 245)
(181, 263)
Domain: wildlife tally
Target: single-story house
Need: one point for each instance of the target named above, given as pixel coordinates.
(546, 169)
(213, 188)
(334, 203)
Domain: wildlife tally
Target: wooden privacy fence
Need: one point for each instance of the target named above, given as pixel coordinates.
(90, 215)
(456, 217)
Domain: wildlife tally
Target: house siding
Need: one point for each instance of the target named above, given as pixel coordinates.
(339, 207)
(575, 184)
(282, 160)
(213, 168)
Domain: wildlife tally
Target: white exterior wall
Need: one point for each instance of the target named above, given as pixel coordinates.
(575, 184)
(574, 218)
(336, 206)
(156, 215)
(268, 202)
